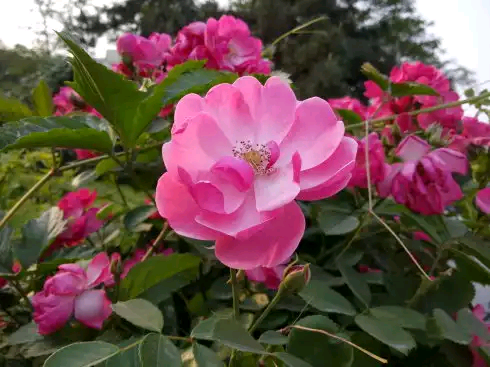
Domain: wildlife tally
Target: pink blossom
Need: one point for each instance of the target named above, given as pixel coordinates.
(239, 157)
(189, 44)
(378, 167)
(476, 342)
(421, 73)
(85, 154)
(423, 182)
(348, 103)
(422, 236)
(271, 277)
(81, 216)
(70, 292)
(448, 118)
(145, 53)
(483, 200)
(474, 132)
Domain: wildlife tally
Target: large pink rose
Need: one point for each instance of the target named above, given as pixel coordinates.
(483, 200)
(378, 167)
(237, 160)
(424, 182)
(70, 293)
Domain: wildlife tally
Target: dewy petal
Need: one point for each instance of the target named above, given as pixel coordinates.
(483, 200)
(412, 148)
(197, 148)
(175, 203)
(98, 270)
(92, 308)
(272, 245)
(236, 171)
(315, 134)
(227, 105)
(187, 108)
(340, 163)
(277, 188)
(244, 218)
(453, 160)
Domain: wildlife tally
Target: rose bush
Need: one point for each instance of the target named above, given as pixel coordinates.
(208, 216)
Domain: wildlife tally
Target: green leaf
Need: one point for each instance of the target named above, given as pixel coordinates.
(43, 99)
(83, 354)
(82, 132)
(336, 223)
(141, 313)
(37, 235)
(472, 325)
(375, 75)
(402, 316)
(137, 216)
(290, 360)
(355, 281)
(205, 357)
(273, 338)
(157, 351)
(319, 295)
(25, 334)
(348, 116)
(367, 342)
(477, 247)
(105, 166)
(470, 268)
(411, 89)
(387, 332)
(228, 332)
(154, 270)
(6, 255)
(450, 330)
(128, 355)
(13, 109)
(318, 349)
(164, 289)
(433, 225)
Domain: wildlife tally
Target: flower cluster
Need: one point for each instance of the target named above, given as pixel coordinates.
(81, 218)
(226, 44)
(237, 160)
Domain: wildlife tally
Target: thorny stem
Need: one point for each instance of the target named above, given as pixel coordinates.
(26, 197)
(157, 241)
(423, 110)
(372, 355)
(267, 310)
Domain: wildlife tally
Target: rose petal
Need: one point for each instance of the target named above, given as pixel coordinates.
(412, 148)
(92, 308)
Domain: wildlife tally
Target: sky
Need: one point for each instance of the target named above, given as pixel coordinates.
(463, 26)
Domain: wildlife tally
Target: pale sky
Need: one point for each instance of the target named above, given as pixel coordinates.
(463, 26)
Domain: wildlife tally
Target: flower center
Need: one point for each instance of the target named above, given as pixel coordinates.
(257, 155)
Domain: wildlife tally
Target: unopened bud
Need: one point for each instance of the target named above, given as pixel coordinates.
(295, 278)
(116, 264)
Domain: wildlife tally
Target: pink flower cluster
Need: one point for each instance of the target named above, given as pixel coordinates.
(237, 160)
(70, 292)
(81, 218)
(424, 182)
(474, 133)
(476, 342)
(226, 44)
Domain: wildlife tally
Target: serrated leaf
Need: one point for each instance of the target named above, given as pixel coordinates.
(402, 316)
(348, 116)
(273, 338)
(387, 332)
(467, 321)
(13, 109)
(319, 295)
(43, 99)
(137, 216)
(335, 223)
(141, 313)
(37, 235)
(105, 166)
(316, 348)
(157, 351)
(450, 329)
(205, 357)
(355, 281)
(412, 89)
(83, 354)
(471, 269)
(154, 270)
(290, 360)
(375, 75)
(81, 132)
(128, 355)
(478, 247)
(228, 332)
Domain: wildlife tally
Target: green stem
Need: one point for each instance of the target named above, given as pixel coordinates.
(156, 242)
(423, 110)
(297, 29)
(236, 296)
(26, 197)
(267, 310)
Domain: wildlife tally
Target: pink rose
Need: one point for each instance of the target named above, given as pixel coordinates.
(348, 103)
(271, 277)
(424, 182)
(67, 101)
(189, 44)
(422, 236)
(70, 292)
(483, 200)
(377, 162)
(85, 154)
(143, 52)
(474, 132)
(81, 217)
(239, 157)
